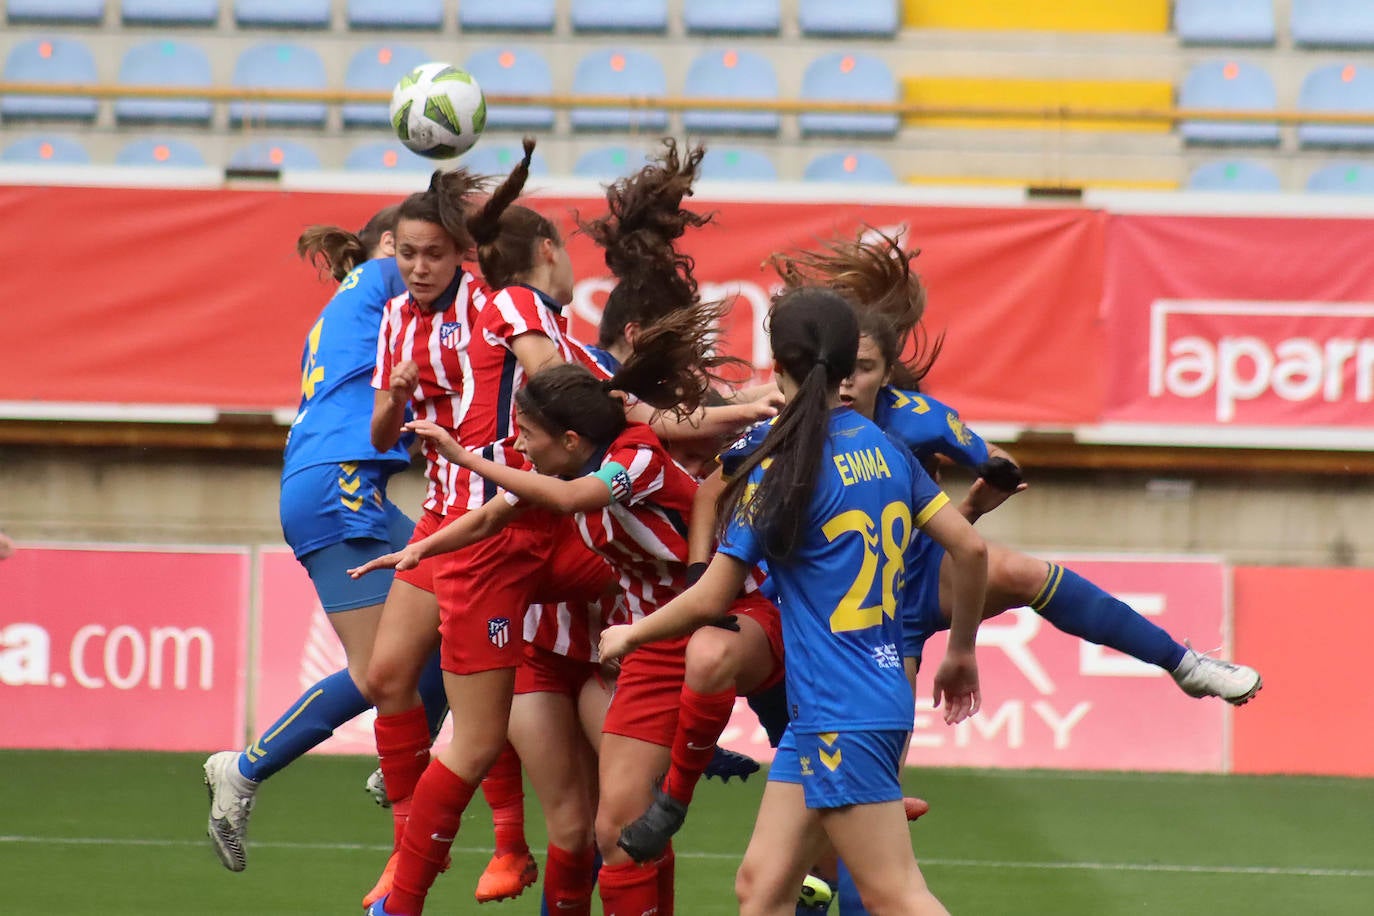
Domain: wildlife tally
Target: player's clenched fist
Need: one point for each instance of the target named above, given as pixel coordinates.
(405, 377)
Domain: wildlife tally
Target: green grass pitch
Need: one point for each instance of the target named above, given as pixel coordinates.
(114, 833)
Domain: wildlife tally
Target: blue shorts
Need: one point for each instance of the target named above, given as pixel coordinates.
(841, 768)
(329, 503)
(328, 567)
(921, 617)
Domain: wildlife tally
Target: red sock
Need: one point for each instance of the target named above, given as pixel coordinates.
(667, 871)
(403, 747)
(629, 889)
(700, 720)
(568, 880)
(437, 809)
(504, 789)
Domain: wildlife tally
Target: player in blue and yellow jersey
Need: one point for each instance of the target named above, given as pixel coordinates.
(334, 514)
(832, 504)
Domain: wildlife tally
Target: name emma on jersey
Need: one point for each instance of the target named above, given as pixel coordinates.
(861, 465)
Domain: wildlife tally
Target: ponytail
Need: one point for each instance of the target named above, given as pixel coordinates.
(445, 203)
(336, 251)
(505, 235)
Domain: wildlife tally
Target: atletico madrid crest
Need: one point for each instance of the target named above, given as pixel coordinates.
(498, 631)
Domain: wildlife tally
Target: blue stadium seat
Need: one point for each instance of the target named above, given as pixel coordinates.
(738, 17)
(1337, 88)
(620, 72)
(386, 156)
(859, 167)
(274, 154)
(1333, 23)
(160, 151)
(169, 12)
(1233, 175)
(282, 14)
(377, 67)
(62, 12)
(49, 60)
(513, 71)
(848, 78)
(1342, 178)
(1224, 22)
(607, 163)
(278, 66)
(737, 165)
(872, 18)
(507, 15)
(164, 62)
(735, 75)
(1226, 84)
(620, 15)
(499, 158)
(396, 14)
(46, 150)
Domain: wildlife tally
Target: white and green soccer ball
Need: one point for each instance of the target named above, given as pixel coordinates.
(815, 894)
(438, 110)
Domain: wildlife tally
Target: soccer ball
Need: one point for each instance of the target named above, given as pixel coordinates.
(815, 895)
(438, 111)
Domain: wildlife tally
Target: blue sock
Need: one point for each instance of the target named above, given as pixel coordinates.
(311, 719)
(847, 893)
(1076, 606)
(433, 696)
(596, 870)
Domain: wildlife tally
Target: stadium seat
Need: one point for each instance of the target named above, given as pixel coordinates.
(619, 72)
(620, 15)
(377, 67)
(1345, 88)
(282, 14)
(1149, 17)
(1342, 178)
(1224, 22)
(1227, 84)
(873, 18)
(488, 158)
(396, 14)
(386, 156)
(1237, 175)
(735, 75)
(857, 167)
(737, 17)
(160, 151)
(274, 154)
(508, 15)
(169, 12)
(848, 78)
(513, 71)
(61, 12)
(164, 62)
(49, 60)
(737, 165)
(606, 163)
(278, 66)
(46, 150)
(1332, 23)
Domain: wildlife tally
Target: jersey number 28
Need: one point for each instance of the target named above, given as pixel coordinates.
(891, 534)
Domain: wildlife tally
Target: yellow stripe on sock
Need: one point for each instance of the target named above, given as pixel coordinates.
(308, 700)
(1049, 588)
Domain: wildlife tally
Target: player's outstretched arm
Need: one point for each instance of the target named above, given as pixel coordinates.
(704, 602)
(717, 422)
(468, 528)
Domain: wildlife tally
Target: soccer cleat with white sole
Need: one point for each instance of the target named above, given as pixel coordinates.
(1200, 675)
(376, 787)
(231, 801)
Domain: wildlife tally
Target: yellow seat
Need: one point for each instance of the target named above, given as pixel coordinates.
(991, 92)
(1145, 16)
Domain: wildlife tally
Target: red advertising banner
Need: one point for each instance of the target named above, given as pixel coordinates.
(1308, 631)
(1230, 321)
(195, 297)
(1052, 700)
(123, 649)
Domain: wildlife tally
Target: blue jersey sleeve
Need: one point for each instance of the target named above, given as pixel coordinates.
(928, 427)
(739, 539)
(926, 496)
(732, 458)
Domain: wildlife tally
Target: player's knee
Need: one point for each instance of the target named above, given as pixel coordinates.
(608, 828)
(1017, 575)
(746, 888)
(570, 821)
(711, 659)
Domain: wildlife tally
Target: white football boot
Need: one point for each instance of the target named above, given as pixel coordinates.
(231, 801)
(1200, 675)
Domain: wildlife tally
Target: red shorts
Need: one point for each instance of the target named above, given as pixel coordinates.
(574, 572)
(542, 671)
(422, 576)
(648, 692)
(763, 612)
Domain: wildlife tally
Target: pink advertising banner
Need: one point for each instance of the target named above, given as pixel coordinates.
(123, 649)
(1052, 700)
